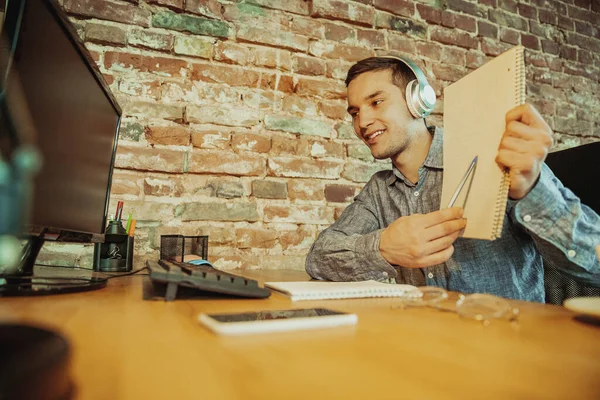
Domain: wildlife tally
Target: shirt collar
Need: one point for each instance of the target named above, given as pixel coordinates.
(435, 157)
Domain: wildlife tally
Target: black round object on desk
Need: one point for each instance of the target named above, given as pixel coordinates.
(34, 364)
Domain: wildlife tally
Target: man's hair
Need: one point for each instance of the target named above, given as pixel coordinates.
(401, 73)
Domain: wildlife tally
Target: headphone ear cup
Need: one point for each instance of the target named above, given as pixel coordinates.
(412, 103)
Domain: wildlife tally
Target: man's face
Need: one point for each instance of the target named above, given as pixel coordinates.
(379, 113)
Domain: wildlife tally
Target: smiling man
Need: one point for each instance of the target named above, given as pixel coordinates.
(395, 228)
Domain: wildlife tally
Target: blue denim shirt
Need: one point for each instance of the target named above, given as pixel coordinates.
(549, 222)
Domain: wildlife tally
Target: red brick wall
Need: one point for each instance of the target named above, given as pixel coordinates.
(234, 113)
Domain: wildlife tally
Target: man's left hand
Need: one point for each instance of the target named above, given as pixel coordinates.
(523, 149)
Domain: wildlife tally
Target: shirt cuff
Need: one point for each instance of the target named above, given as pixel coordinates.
(368, 246)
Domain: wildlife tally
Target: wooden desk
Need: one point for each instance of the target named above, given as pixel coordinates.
(125, 347)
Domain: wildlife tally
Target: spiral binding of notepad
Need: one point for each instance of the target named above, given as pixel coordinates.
(519, 99)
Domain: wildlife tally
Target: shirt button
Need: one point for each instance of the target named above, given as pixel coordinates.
(527, 218)
(385, 274)
(416, 193)
(571, 253)
(430, 275)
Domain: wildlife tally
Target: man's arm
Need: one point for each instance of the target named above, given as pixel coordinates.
(565, 231)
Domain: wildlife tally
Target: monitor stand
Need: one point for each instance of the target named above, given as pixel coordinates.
(23, 282)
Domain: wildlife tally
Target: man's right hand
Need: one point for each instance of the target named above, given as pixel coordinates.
(422, 240)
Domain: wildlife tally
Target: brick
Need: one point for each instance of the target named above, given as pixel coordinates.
(337, 32)
(161, 187)
(297, 125)
(224, 162)
(530, 41)
(409, 27)
(272, 58)
(399, 7)
(582, 15)
(490, 3)
(486, 29)
(320, 149)
(105, 34)
(493, 48)
(308, 27)
(266, 189)
(228, 116)
(125, 182)
(527, 11)
(306, 189)
(294, 6)
(345, 131)
(306, 65)
(167, 135)
(466, 7)
(547, 17)
(585, 57)
(148, 88)
(448, 72)
(337, 69)
(109, 10)
(585, 4)
(339, 193)
(188, 23)
(402, 44)
(583, 28)
(359, 151)
(509, 36)
(207, 8)
(232, 53)
(286, 145)
(279, 38)
(333, 110)
(541, 30)
(294, 213)
(550, 47)
(536, 59)
(321, 88)
(568, 52)
(358, 171)
(211, 139)
(251, 142)
(172, 4)
(429, 14)
(339, 51)
(213, 211)
(453, 37)
(300, 239)
(127, 61)
(231, 75)
(353, 13)
(565, 23)
(156, 110)
(194, 46)
(247, 238)
(429, 50)
(465, 22)
(370, 38)
(503, 18)
(299, 105)
(508, 5)
(453, 56)
(296, 167)
(150, 39)
(149, 158)
(227, 189)
(147, 211)
(590, 44)
(130, 130)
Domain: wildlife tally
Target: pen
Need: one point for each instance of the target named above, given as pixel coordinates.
(131, 230)
(119, 211)
(462, 182)
(128, 222)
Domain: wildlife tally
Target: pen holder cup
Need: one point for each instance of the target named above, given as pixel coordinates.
(116, 253)
(177, 247)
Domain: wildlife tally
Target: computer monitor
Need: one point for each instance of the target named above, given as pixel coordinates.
(76, 120)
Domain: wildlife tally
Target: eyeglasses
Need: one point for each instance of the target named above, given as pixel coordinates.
(477, 306)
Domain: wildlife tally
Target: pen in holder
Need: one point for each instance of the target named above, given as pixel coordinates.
(116, 253)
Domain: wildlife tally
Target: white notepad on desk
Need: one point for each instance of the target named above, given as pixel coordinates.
(342, 290)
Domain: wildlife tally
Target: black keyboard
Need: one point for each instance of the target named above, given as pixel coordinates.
(202, 277)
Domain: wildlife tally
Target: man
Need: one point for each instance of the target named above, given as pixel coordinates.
(394, 228)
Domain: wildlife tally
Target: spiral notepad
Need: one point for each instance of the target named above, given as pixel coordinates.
(474, 122)
(342, 290)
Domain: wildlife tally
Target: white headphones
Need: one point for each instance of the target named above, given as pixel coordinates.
(420, 96)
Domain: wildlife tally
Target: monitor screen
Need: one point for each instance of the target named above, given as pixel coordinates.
(75, 116)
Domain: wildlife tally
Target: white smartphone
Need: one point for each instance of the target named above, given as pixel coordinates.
(275, 320)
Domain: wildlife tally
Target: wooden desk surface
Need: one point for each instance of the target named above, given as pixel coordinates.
(125, 347)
